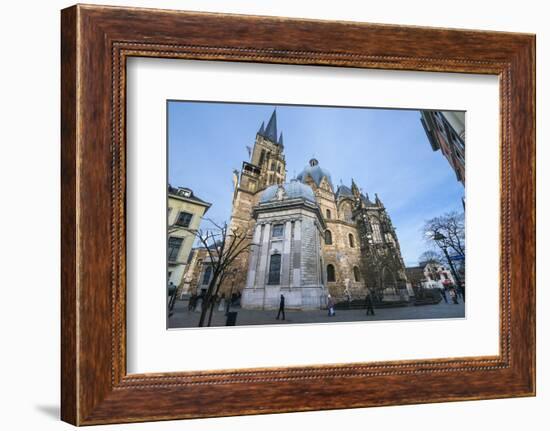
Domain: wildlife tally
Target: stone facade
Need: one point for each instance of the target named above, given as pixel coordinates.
(286, 252)
(334, 240)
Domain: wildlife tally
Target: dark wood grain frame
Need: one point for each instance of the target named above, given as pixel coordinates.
(96, 42)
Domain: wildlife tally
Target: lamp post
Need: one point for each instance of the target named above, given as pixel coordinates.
(439, 239)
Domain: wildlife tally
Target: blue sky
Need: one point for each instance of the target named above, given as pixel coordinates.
(385, 151)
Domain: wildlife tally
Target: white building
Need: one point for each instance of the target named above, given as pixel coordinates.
(286, 255)
(436, 276)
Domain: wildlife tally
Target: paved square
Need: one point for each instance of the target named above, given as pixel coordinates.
(183, 318)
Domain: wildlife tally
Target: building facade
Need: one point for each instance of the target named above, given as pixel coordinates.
(430, 275)
(286, 258)
(185, 212)
(310, 238)
(446, 131)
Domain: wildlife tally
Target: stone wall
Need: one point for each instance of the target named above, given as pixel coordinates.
(299, 247)
(344, 258)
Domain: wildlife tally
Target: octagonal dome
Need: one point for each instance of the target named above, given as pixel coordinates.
(291, 190)
(316, 172)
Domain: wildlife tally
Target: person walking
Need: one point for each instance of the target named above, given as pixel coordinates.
(172, 295)
(330, 306)
(192, 302)
(454, 295)
(444, 296)
(369, 305)
(281, 307)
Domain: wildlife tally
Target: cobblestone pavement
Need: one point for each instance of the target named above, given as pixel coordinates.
(183, 318)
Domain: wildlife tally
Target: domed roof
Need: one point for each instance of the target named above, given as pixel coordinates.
(316, 172)
(291, 190)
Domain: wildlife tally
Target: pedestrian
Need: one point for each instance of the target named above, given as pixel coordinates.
(369, 305)
(192, 302)
(221, 305)
(460, 292)
(453, 295)
(172, 295)
(281, 307)
(443, 295)
(330, 306)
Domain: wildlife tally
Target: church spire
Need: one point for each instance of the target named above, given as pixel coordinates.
(262, 130)
(271, 129)
(354, 189)
(281, 139)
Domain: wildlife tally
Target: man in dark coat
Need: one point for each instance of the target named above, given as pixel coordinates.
(172, 297)
(443, 295)
(369, 305)
(281, 307)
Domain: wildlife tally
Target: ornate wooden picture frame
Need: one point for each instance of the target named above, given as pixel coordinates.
(96, 42)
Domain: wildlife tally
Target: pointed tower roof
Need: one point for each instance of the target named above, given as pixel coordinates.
(354, 189)
(281, 139)
(262, 129)
(271, 129)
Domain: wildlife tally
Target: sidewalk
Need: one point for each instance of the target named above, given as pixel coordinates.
(183, 318)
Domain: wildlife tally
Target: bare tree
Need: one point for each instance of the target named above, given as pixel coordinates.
(430, 256)
(448, 231)
(223, 247)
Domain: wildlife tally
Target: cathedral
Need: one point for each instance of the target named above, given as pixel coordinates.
(310, 238)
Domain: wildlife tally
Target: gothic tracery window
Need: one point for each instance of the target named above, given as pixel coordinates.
(346, 212)
(376, 232)
(328, 237)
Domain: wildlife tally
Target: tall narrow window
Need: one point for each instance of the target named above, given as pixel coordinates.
(351, 240)
(331, 276)
(174, 245)
(328, 214)
(376, 233)
(356, 274)
(328, 237)
(184, 219)
(207, 275)
(262, 157)
(274, 269)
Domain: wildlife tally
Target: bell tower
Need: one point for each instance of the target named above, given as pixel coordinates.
(268, 154)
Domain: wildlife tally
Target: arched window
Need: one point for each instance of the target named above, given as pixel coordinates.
(274, 269)
(356, 274)
(207, 275)
(351, 240)
(328, 237)
(376, 232)
(345, 212)
(328, 214)
(331, 276)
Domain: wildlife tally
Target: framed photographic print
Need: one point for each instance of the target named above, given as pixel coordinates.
(269, 215)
